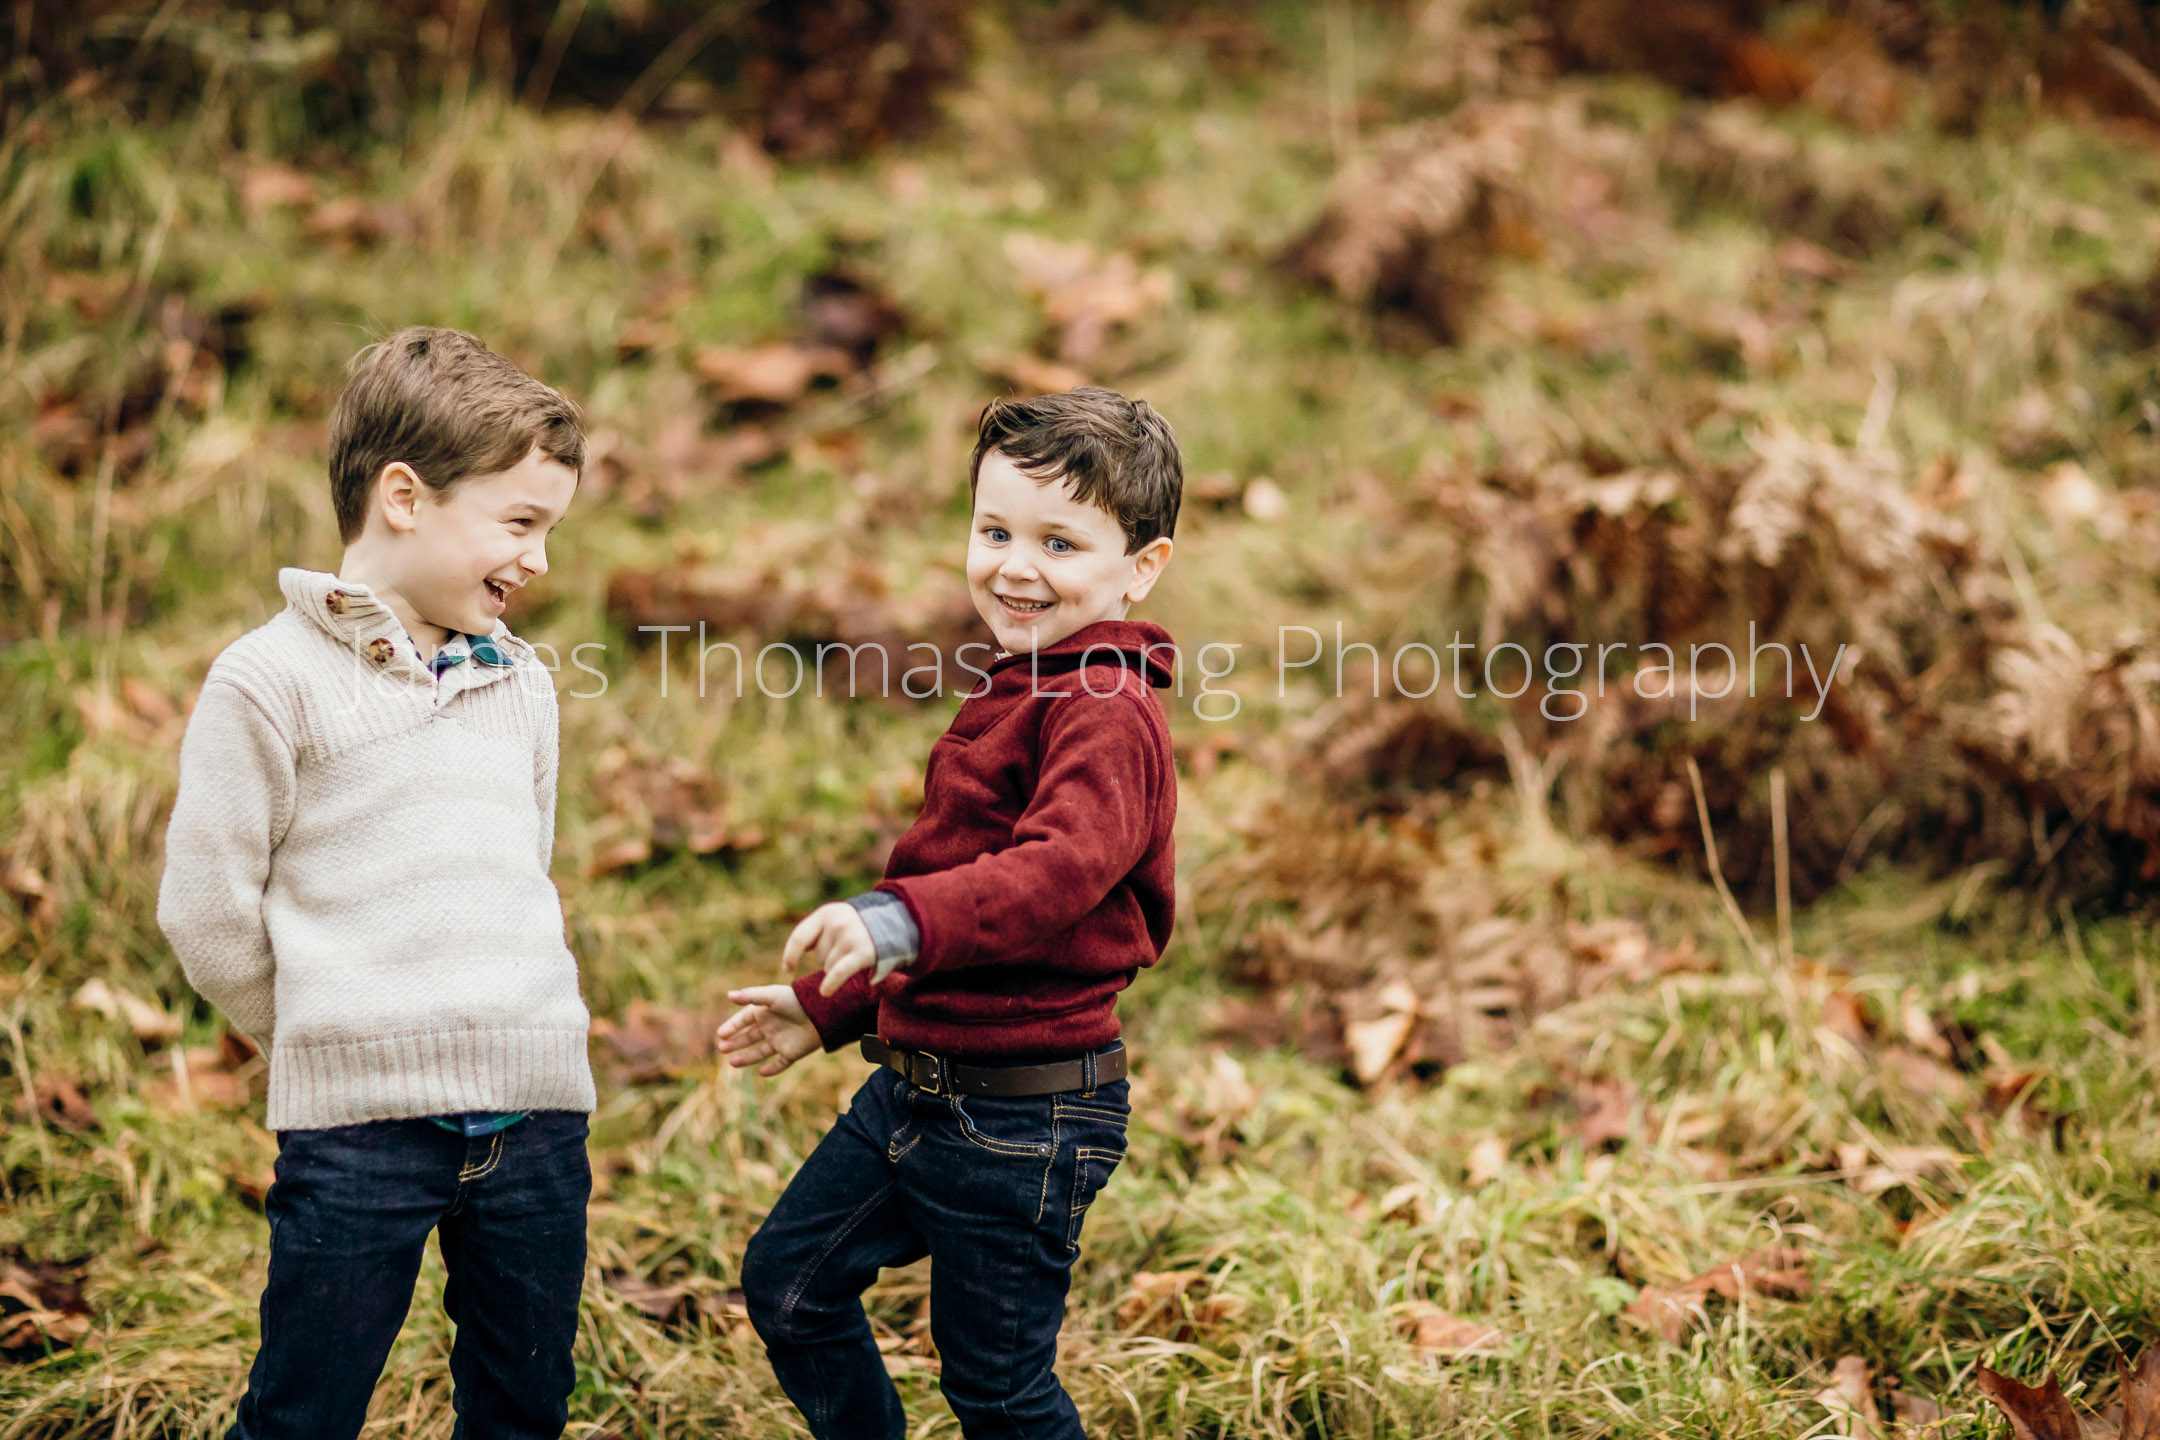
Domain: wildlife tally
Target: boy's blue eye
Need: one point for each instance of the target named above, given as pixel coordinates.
(995, 536)
(1059, 546)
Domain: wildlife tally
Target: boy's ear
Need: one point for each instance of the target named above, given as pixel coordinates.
(1148, 562)
(397, 495)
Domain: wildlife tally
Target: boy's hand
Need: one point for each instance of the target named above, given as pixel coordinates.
(837, 935)
(770, 1027)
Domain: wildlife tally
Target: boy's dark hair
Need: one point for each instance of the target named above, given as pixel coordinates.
(449, 407)
(1117, 454)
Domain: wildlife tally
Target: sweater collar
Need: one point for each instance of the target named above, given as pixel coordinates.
(1132, 644)
(351, 614)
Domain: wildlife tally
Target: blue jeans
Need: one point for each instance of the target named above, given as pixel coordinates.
(349, 1219)
(994, 1192)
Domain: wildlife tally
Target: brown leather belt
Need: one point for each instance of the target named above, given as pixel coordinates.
(936, 1075)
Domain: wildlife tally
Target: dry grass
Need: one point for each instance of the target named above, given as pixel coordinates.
(1945, 1103)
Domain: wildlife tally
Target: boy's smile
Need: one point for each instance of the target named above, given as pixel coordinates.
(448, 562)
(1042, 566)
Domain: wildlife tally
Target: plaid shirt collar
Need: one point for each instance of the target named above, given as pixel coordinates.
(460, 648)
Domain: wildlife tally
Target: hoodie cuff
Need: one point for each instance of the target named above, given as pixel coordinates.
(843, 1017)
(894, 935)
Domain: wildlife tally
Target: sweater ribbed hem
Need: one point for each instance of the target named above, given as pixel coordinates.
(429, 1072)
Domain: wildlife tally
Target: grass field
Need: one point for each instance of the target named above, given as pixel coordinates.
(1933, 1126)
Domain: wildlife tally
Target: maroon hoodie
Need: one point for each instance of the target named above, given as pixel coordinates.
(1040, 870)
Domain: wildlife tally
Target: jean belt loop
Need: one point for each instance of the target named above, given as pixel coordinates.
(1087, 1071)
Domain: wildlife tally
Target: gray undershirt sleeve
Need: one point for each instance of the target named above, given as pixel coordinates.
(893, 932)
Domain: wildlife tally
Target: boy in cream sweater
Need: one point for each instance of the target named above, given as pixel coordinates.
(357, 875)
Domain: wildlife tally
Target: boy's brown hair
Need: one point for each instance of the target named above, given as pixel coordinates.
(1118, 455)
(449, 407)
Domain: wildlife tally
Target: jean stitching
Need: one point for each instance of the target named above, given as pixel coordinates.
(1078, 1211)
(895, 1150)
(990, 1143)
(486, 1167)
(1108, 1117)
(803, 1276)
(1042, 1201)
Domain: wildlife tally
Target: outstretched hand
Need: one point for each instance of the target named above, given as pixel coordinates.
(836, 934)
(770, 1027)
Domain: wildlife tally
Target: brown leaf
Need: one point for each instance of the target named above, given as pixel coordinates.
(1487, 1162)
(252, 1181)
(843, 311)
(651, 1043)
(203, 1075)
(60, 1101)
(1605, 1113)
(2034, 1413)
(777, 374)
(269, 185)
(150, 704)
(664, 1303)
(1779, 1271)
(1441, 1332)
(41, 1306)
(152, 1026)
(2141, 1397)
(729, 1310)
(1161, 1303)
(1850, 1016)
(1850, 1399)
(1914, 1410)
(1085, 297)
(1029, 374)
(1374, 1044)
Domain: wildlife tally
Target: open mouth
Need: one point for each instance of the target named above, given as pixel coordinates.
(499, 592)
(1024, 607)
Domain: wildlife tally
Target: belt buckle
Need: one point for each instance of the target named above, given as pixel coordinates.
(930, 1064)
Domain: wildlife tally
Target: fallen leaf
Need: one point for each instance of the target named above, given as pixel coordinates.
(1161, 1303)
(1850, 1399)
(268, 186)
(729, 1310)
(1085, 296)
(843, 311)
(2141, 1396)
(2040, 1413)
(1914, 1410)
(777, 374)
(1605, 1113)
(1779, 1271)
(664, 1303)
(1440, 1332)
(1487, 1163)
(41, 1306)
(152, 1026)
(1029, 374)
(1374, 1044)
(218, 1076)
(60, 1101)
(650, 1043)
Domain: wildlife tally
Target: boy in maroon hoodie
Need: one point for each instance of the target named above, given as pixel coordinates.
(982, 974)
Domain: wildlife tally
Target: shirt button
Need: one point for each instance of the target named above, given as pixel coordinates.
(338, 601)
(380, 651)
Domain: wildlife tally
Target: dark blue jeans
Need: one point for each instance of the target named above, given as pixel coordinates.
(994, 1192)
(349, 1219)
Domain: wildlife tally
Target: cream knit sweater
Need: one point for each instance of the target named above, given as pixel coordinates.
(357, 869)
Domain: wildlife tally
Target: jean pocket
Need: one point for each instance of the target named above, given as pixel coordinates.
(1092, 1166)
(1077, 1114)
(1005, 1126)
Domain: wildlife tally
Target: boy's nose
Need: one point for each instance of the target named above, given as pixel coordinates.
(535, 561)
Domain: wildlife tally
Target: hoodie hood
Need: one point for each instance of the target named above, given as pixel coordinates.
(1139, 645)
